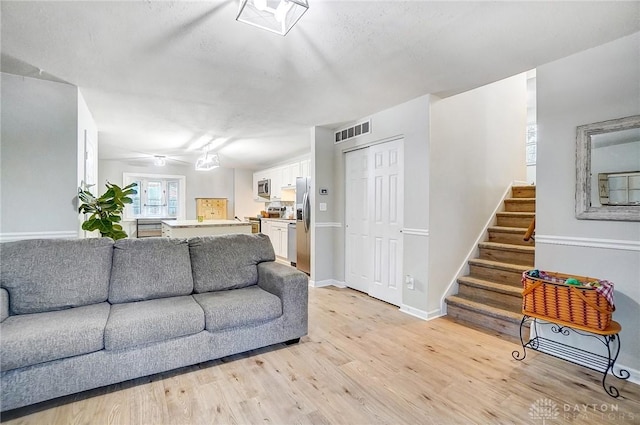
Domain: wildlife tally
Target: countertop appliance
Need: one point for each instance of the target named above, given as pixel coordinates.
(275, 212)
(264, 188)
(303, 224)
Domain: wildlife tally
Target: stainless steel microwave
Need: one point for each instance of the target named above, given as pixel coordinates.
(264, 188)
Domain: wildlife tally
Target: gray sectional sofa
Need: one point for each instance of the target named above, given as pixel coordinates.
(81, 314)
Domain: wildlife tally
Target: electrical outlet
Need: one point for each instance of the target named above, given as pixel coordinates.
(409, 281)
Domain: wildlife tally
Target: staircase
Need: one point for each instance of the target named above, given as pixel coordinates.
(490, 296)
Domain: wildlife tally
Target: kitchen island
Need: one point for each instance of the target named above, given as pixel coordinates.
(191, 228)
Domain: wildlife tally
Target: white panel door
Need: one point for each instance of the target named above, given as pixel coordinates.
(386, 173)
(374, 220)
(357, 245)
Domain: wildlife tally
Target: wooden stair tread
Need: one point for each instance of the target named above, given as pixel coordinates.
(491, 286)
(516, 214)
(484, 309)
(522, 200)
(499, 265)
(508, 247)
(506, 229)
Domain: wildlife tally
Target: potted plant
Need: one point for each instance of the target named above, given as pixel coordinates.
(106, 210)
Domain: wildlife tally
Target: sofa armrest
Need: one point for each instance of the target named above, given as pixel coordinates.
(292, 287)
(4, 304)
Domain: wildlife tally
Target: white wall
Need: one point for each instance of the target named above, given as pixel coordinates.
(477, 151)
(326, 254)
(595, 85)
(245, 206)
(86, 124)
(39, 158)
(217, 183)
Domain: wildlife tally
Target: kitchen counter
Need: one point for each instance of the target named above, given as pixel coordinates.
(286, 220)
(205, 223)
(191, 228)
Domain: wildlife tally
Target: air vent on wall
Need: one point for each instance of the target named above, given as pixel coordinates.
(355, 131)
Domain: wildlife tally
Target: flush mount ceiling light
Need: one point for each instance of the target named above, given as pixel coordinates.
(277, 16)
(159, 160)
(207, 162)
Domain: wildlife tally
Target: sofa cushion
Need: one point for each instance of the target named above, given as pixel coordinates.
(29, 339)
(4, 304)
(228, 261)
(238, 307)
(145, 322)
(150, 268)
(54, 274)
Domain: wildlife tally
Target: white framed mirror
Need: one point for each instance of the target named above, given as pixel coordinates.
(608, 170)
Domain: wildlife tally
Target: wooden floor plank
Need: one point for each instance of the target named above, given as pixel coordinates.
(363, 362)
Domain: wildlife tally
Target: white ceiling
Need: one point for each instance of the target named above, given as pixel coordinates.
(158, 76)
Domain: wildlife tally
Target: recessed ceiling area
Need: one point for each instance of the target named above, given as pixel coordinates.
(160, 76)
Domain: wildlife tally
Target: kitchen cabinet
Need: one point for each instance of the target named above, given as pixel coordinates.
(289, 174)
(265, 227)
(305, 168)
(211, 208)
(277, 230)
(276, 183)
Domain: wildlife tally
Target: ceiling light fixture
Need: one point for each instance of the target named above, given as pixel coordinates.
(277, 16)
(159, 160)
(208, 161)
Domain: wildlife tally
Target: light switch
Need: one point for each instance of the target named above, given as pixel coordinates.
(323, 206)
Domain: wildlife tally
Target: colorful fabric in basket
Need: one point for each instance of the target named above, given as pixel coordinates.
(605, 288)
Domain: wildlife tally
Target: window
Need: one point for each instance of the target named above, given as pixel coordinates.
(532, 138)
(159, 196)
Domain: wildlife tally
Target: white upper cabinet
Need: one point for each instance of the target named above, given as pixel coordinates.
(276, 183)
(305, 168)
(289, 174)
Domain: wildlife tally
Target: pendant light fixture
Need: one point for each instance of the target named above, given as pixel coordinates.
(277, 16)
(208, 161)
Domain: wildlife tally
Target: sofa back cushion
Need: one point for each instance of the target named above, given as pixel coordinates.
(54, 274)
(150, 268)
(228, 261)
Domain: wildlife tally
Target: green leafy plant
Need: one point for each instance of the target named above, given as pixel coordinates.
(106, 210)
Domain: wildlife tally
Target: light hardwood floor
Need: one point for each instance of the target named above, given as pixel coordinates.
(363, 362)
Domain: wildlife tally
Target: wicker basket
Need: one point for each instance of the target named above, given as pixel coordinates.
(552, 298)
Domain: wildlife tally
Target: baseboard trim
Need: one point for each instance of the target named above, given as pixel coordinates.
(420, 314)
(327, 282)
(588, 242)
(18, 236)
(635, 373)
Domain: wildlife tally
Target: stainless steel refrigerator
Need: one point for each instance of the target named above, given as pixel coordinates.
(303, 224)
